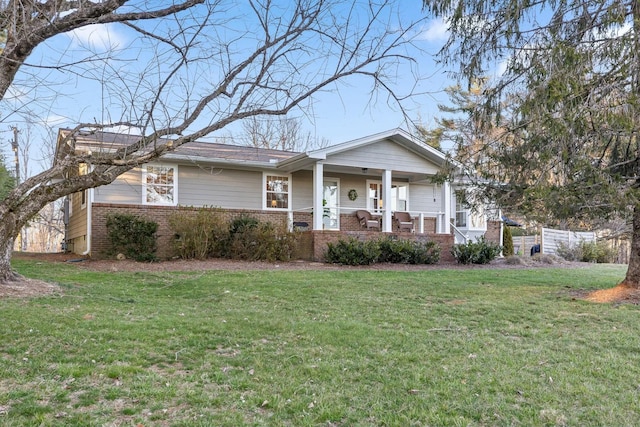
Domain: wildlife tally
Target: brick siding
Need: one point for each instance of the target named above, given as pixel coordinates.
(311, 244)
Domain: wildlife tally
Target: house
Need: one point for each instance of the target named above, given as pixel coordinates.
(382, 173)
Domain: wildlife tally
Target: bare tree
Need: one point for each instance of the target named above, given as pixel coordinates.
(207, 65)
(279, 133)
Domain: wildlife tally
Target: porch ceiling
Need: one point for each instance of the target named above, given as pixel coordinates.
(373, 173)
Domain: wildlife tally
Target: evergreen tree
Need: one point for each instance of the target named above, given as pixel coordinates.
(507, 241)
(569, 149)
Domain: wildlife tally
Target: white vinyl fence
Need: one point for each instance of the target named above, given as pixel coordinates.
(551, 239)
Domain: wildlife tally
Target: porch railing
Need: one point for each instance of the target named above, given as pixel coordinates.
(419, 215)
(457, 232)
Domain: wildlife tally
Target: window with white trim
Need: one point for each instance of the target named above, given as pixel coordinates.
(398, 199)
(159, 184)
(461, 209)
(276, 191)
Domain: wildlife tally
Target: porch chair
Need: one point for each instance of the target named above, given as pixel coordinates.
(367, 220)
(403, 221)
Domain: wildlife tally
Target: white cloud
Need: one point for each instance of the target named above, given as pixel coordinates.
(99, 37)
(437, 30)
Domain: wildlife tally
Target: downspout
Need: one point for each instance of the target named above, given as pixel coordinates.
(88, 209)
(501, 233)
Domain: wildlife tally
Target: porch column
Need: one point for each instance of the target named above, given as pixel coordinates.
(386, 198)
(445, 226)
(318, 183)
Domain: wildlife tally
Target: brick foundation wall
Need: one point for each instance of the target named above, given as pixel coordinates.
(159, 214)
(311, 244)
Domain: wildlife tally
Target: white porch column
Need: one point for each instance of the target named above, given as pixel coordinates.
(318, 184)
(386, 199)
(445, 226)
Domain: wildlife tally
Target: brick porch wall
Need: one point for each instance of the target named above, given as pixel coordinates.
(311, 244)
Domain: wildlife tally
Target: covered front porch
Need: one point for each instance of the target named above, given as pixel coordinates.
(382, 174)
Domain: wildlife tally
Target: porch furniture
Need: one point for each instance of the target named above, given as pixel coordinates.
(367, 220)
(403, 221)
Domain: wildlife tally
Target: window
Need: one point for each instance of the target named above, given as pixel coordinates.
(83, 170)
(374, 201)
(276, 192)
(398, 199)
(159, 185)
(461, 209)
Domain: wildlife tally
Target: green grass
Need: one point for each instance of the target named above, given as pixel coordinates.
(328, 348)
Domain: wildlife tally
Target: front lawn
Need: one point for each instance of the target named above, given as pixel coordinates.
(479, 347)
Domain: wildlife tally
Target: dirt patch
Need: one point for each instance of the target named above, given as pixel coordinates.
(618, 294)
(27, 288)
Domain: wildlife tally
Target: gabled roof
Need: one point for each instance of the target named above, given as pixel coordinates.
(215, 153)
(399, 136)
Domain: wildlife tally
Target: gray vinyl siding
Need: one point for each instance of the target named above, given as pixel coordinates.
(225, 188)
(353, 182)
(302, 191)
(126, 189)
(384, 155)
(423, 198)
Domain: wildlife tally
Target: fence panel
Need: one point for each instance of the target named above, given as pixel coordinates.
(522, 244)
(551, 239)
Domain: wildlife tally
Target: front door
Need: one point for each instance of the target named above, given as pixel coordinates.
(331, 205)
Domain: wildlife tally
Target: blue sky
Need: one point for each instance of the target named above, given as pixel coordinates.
(62, 99)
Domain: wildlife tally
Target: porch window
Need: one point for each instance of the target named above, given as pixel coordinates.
(398, 199)
(276, 192)
(159, 185)
(461, 209)
(374, 201)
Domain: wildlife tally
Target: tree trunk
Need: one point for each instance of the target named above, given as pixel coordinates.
(632, 278)
(7, 239)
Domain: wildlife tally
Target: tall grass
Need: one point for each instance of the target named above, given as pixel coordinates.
(301, 348)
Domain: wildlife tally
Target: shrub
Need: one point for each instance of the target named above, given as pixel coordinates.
(401, 251)
(199, 234)
(478, 252)
(598, 252)
(507, 241)
(252, 240)
(397, 251)
(133, 236)
(352, 252)
(404, 251)
(569, 253)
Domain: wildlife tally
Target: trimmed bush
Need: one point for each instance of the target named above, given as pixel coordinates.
(403, 251)
(399, 251)
(133, 236)
(352, 252)
(479, 252)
